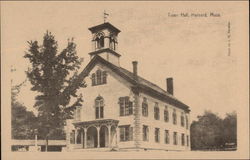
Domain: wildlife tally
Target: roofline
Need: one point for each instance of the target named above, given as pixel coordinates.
(104, 25)
(105, 50)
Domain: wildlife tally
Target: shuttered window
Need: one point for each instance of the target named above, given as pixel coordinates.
(126, 133)
(145, 107)
(166, 115)
(166, 136)
(157, 135)
(98, 78)
(156, 111)
(126, 106)
(175, 138)
(182, 139)
(145, 132)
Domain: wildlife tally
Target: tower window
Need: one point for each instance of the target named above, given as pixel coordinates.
(99, 40)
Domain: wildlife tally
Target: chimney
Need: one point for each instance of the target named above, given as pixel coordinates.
(135, 69)
(170, 87)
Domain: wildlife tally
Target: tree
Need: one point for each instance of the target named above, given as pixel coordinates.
(230, 128)
(213, 132)
(22, 121)
(54, 76)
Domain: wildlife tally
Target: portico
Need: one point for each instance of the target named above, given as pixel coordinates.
(96, 134)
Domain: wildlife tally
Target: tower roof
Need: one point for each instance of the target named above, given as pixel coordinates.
(103, 26)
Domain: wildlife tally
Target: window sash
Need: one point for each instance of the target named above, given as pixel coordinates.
(166, 136)
(183, 139)
(126, 106)
(157, 135)
(126, 133)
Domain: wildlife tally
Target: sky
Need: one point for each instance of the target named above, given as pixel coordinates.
(192, 50)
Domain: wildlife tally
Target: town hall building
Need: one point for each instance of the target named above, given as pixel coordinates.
(122, 110)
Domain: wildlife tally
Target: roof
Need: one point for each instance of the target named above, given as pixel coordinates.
(103, 26)
(139, 83)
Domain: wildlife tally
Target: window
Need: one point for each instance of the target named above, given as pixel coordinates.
(72, 137)
(126, 106)
(145, 107)
(182, 139)
(78, 138)
(99, 40)
(77, 113)
(157, 135)
(126, 133)
(112, 43)
(174, 117)
(182, 120)
(166, 114)
(98, 78)
(145, 133)
(156, 111)
(99, 107)
(187, 122)
(166, 136)
(175, 138)
(187, 140)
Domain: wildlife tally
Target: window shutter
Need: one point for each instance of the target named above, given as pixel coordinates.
(104, 81)
(130, 108)
(93, 79)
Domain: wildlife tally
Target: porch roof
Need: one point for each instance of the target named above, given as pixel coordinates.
(98, 122)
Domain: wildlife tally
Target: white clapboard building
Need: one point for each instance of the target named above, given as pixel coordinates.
(121, 110)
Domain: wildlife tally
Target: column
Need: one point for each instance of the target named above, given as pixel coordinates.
(109, 136)
(98, 137)
(75, 135)
(85, 137)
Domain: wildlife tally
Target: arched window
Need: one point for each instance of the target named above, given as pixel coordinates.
(145, 107)
(99, 40)
(99, 107)
(112, 43)
(174, 117)
(166, 114)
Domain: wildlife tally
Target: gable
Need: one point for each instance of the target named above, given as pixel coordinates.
(139, 84)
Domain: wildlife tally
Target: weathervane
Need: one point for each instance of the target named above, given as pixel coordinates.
(105, 16)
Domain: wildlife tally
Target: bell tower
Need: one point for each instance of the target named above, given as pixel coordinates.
(104, 42)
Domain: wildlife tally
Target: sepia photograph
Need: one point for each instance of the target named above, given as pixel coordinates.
(125, 80)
